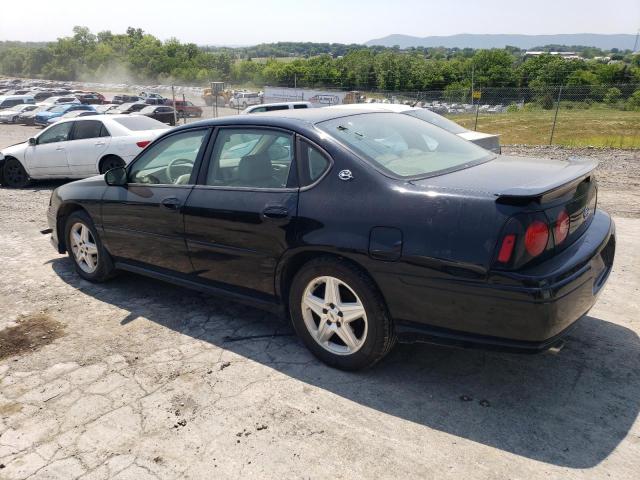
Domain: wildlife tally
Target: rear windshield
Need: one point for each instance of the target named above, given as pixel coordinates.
(140, 122)
(402, 145)
(437, 120)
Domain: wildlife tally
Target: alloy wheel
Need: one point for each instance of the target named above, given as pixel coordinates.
(334, 315)
(84, 247)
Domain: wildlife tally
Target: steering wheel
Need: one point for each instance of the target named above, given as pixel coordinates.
(175, 164)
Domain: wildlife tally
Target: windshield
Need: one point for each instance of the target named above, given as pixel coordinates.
(437, 120)
(139, 123)
(149, 109)
(403, 145)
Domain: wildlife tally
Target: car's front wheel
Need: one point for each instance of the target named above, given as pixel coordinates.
(339, 314)
(85, 248)
(14, 174)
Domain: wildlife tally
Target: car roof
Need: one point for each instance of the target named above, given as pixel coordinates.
(371, 107)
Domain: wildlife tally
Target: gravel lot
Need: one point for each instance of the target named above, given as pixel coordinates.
(138, 379)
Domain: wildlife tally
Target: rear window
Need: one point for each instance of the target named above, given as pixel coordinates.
(300, 105)
(403, 146)
(139, 123)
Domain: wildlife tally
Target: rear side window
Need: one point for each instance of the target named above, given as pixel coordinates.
(313, 162)
(276, 107)
(300, 105)
(87, 129)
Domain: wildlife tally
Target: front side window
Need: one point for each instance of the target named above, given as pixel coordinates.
(252, 158)
(56, 133)
(402, 145)
(170, 161)
(87, 129)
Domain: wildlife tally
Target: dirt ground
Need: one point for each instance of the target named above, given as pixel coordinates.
(141, 380)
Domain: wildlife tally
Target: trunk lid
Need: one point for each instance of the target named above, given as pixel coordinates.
(534, 190)
(511, 177)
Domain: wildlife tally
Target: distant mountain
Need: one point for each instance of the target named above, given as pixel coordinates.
(472, 40)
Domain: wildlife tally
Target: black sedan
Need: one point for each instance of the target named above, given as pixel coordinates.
(161, 113)
(364, 228)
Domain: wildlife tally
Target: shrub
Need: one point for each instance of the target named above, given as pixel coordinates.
(612, 95)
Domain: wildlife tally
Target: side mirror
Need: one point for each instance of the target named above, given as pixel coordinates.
(32, 142)
(116, 177)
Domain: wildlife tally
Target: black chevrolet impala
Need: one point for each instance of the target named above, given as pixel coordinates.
(365, 228)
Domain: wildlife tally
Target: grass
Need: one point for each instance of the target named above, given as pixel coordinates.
(598, 127)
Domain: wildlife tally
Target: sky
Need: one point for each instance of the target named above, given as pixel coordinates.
(248, 22)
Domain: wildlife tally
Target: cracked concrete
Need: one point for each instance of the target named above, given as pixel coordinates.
(135, 387)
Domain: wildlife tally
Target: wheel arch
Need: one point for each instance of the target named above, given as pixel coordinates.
(107, 156)
(293, 261)
(64, 211)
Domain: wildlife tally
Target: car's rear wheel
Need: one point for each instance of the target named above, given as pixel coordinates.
(110, 162)
(14, 174)
(91, 260)
(339, 314)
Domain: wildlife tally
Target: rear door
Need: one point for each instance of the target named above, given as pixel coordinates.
(143, 220)
(239, 219)
(89, 140)
(49, 156)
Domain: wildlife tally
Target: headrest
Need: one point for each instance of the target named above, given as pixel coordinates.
(255, 169)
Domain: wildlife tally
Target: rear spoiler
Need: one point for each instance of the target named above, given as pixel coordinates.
(577, 169)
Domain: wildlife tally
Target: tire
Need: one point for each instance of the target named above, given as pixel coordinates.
(14, 175)
(109, 162)
(322, 328)
(85, 249)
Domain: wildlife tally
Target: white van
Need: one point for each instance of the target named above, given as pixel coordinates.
(244, 99)
(271, 107)
(8, 101)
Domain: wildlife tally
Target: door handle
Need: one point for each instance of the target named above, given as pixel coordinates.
(171, 203)
(275, 212)
(59, 149)
(99, 144)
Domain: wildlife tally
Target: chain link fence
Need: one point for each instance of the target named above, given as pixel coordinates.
(583, 115)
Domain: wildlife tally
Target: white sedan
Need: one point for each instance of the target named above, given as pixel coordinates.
(9, 115)
(489, 141)
(78, 148)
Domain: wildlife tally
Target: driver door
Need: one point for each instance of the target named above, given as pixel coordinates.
(143, 221)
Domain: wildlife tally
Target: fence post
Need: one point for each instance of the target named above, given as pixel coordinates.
(475, 126)
(175, 114)
(555, 117)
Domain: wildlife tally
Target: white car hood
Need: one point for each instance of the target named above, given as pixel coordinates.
(16, 150)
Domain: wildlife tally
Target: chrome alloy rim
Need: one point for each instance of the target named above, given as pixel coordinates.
(334, 315)
(84, 247)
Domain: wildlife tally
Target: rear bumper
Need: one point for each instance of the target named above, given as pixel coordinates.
(528, 310)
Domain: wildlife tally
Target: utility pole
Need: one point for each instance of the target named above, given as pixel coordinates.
(555, 117)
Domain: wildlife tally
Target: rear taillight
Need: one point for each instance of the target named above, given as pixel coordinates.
(561, 229)
(536, 238)
(143, 143)
(506, 249)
